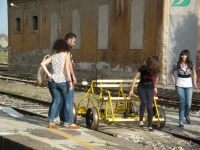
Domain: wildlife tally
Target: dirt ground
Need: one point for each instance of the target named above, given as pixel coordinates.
(157, 140)
(22, 89)
(41, 93)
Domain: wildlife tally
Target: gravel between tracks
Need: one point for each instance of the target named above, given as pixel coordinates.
(157, 140)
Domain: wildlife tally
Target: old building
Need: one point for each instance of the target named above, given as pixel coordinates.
(114, 37)
(3, 42)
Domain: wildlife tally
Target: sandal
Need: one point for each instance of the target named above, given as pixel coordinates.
(151, 130)
(73, 126)
(52, 126)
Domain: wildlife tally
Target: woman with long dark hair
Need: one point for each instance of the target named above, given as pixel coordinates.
(146, 87)
(185, 69)
(60, 89)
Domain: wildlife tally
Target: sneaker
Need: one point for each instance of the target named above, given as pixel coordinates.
(57, 119)
(188, 120)
(61, 123)
(181, 125)
(64, 124)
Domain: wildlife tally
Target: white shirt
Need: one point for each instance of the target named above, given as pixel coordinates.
(184, 82)
(58, 66)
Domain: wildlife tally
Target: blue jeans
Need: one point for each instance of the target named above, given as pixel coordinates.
(60, 105)
(185, 101)
(59, 90)
(63, 113)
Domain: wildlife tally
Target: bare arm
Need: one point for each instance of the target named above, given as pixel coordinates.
(195, 79)
(67, 68)
(133, 83)
(172, 76)
(155, 84)
(72, 73)
(43, 64)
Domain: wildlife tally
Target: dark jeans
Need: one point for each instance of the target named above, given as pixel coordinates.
(146, 97)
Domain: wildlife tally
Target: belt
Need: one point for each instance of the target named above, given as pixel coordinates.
(184, 76)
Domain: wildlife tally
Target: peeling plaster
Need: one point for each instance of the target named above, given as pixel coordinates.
(29, 62)
(103, 66)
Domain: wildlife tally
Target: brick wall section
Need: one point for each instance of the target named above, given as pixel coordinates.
(197, 66)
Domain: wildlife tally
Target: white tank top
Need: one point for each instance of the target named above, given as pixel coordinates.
(58, 66)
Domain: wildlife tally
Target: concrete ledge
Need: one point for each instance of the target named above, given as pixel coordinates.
(19, 142)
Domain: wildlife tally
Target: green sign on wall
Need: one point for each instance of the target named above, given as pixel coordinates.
(181, 3)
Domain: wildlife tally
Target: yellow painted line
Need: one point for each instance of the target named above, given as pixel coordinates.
(77, 140)
(9, 124)
(61, 133)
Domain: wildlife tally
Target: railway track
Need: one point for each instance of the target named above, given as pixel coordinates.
(3, 64)
(163, 99)
(197, 141)
(34, 107)
(26, 80)
(3, 67)
(25, 105)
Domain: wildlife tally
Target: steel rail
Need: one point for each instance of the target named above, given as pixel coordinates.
(45, 103)
(183, 137)
(4, 64)
(11, 79)
(173, 134)
(18, 77)
(24, 112)
(108, 133)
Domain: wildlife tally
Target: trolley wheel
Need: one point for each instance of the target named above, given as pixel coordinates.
(74, 112)
(92, 118)
(134, 108)
(160, 124)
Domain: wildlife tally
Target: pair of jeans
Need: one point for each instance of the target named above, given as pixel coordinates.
(146, 97)
(185, 101)
(59, 90)
(60, 105)
(63, 113)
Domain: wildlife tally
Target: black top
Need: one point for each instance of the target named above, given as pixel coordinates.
(146, 80)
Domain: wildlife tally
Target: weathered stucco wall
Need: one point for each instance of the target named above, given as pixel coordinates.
(118, 55)
(198, 50)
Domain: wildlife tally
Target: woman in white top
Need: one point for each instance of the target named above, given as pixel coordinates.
(183, 84)
(61, 75)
